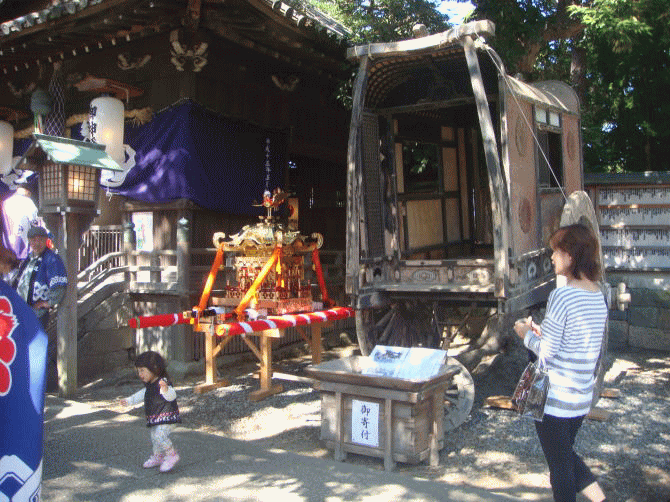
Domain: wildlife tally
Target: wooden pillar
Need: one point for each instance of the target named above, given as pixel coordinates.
(130, 275)
(67, 311)
(183, 334)
(354, 178)
(498, 188)
(266, 362)
(340, 454)
(315, 343)
(129, 241)
(436, 431)
(183, 255)
(264, 354)
(389, 464)
(155, 267)
(210, 357)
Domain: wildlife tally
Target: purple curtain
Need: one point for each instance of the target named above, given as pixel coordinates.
(189, 152)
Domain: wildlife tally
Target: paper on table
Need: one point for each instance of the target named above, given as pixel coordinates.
(409, 363)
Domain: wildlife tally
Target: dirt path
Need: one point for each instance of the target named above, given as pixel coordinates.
(493, 449)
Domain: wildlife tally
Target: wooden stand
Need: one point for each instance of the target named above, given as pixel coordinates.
(411, 413)
(211, 351)
(262, 349)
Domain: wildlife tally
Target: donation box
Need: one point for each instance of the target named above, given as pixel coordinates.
(388, 405)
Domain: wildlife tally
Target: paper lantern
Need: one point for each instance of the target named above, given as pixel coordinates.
(6, 147)
(106, 126)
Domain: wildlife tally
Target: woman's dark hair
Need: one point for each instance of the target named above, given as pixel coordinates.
(581, 244)
(154, 362)
(9, 257)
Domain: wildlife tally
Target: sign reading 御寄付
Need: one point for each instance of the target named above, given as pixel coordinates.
(365, 423)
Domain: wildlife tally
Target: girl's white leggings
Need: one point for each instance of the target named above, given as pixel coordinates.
(160, 438)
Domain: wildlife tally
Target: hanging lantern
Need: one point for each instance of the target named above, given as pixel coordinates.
(40, 104)
(6, 147)
(106, 126)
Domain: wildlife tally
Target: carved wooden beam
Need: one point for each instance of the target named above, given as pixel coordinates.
(482, 28)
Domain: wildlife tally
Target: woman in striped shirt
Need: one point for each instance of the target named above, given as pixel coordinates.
(569, 341)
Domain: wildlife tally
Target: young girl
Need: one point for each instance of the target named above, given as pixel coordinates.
(160, 406)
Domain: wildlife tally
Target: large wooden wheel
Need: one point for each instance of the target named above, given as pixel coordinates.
(399, 323)
(459, 398)
(579, 209)
(412, 323)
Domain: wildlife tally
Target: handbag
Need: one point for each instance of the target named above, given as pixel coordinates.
(531, 392)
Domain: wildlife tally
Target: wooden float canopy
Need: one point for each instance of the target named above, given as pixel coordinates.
(394, 64)
(423, 44)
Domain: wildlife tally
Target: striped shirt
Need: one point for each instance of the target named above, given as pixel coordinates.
(572, 334)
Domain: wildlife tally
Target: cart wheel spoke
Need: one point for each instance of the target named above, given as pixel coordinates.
(388, 329)
(459, 397)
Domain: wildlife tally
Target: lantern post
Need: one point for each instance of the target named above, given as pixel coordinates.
(69, 186)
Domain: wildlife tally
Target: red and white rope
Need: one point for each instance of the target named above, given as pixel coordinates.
(284, 321)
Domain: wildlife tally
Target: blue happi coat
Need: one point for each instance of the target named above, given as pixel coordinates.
(50, 273)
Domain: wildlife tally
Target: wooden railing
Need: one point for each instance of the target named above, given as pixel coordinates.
(158, 271)
(99, 241)
(100, 271)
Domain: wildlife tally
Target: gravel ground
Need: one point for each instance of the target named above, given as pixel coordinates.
(494, 448)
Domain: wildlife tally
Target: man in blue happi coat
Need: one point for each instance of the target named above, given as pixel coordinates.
(41, 282)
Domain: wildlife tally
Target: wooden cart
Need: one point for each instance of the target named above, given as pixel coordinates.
(457, 175)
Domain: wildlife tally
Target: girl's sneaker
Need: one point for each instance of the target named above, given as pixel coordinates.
(153, 461)
(169, 461)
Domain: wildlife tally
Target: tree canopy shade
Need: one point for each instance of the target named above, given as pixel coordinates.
(615, 53)
(627, 110)
(384, 20)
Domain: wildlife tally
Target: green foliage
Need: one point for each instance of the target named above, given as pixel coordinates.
(626, 104)
(373, 21)
(384, 20)
(553, 61)
(623, 76)
(518, 25)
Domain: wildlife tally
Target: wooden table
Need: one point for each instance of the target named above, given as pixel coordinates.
(260, 341)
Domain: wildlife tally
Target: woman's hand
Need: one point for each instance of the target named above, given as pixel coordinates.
(163, 385)
(522, 326)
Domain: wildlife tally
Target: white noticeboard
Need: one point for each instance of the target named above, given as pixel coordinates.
(415, 363)
(365, 423)
(144, 238)
(634, 227)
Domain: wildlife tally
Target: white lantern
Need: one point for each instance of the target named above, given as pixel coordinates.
(6, 147)
(106, 126)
